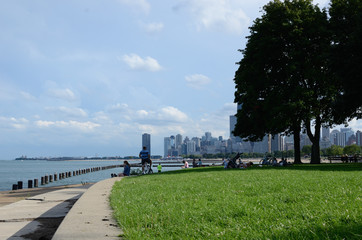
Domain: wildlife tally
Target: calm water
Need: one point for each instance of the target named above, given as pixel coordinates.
(13, 171)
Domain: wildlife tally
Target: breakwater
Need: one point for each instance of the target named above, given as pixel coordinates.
(54, 177)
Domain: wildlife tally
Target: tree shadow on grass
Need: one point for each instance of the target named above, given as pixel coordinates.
(340, 230)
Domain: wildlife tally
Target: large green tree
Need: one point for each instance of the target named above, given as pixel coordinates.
(346, 57)
(281, 81)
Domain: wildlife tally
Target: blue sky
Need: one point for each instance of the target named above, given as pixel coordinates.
(86, 77)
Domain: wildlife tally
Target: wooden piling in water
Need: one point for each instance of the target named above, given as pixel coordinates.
(36, 183)
(30, 183)
(20, 184)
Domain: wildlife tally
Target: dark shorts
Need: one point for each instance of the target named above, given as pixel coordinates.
(146, 160)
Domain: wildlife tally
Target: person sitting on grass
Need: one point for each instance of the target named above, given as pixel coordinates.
(186, 164)
(126, 169)
(246, 165)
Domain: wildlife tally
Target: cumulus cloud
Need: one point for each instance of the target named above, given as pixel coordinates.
(68, 112)
(137, 5)
(173, 113)
(163, 116)
(218, 15)
(138, 63)
(12, 122)
(197, 81)
(27, 96)
(119, 107)
(64, 94)
(153, 27)
(83, 126)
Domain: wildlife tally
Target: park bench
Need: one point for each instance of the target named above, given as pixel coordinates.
(345, 159)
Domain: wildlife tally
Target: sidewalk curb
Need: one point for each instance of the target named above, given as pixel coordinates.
(91, 216)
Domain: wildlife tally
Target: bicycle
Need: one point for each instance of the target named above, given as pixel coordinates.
(147, 169)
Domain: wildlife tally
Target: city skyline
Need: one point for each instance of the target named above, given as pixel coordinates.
(90, 83)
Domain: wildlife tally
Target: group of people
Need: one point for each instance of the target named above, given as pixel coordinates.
(240, 164)
(194, 163)
(145, 158)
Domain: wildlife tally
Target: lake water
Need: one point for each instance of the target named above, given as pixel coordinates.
(13, 171)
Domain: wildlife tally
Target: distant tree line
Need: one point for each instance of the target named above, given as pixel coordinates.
(335, 150)
(300, 71)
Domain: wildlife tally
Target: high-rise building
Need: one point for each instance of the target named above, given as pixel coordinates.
(326, 133)
(178, 140)
(208, 136)
(359, 138)
(341, 139)
(348, 133)
(167, 146)
(146, 141)
(275, 143)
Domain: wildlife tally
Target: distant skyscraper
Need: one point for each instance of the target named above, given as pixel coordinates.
(326, 133)
(167, 146)
(277, 143)
(208, 136)
(359, 138)
(178, 140)
(146, 141)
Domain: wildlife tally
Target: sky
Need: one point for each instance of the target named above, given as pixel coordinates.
(88, 78)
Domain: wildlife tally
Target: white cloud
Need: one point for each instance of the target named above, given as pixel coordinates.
(27, 96)
(172, 113)
(142, 113)
(82, 126)
(64, 94)
(119, 107)
(68, 112)
(137, 63)
(138, 5)
(218, 15)
(153, 27)
(160, 117)
(197, 81)
(11, 122)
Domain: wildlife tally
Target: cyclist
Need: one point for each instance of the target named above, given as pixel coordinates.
(145, 157)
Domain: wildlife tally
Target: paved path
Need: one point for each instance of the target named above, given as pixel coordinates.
(37, 216)
(71, 213)
(91, 216)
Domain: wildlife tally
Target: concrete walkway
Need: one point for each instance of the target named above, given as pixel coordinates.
(37, 217)
(91, 216)
(24, 219)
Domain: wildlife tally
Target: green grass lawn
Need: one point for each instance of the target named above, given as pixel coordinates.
(296, 202)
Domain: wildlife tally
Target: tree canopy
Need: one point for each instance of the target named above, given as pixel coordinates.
(300, 69)
(282, 79)
(345, 25)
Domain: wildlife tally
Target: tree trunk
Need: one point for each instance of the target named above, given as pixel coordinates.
(296, 137)
(315, 158)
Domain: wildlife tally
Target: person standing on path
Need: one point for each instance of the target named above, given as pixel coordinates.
(145, 157)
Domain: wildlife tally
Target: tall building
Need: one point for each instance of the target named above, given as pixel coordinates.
(146, 141)
(348, 133)
(359, 138)
(340, 139)
(276, 143)
(178, 140)
(326, 133)
(167, 146)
